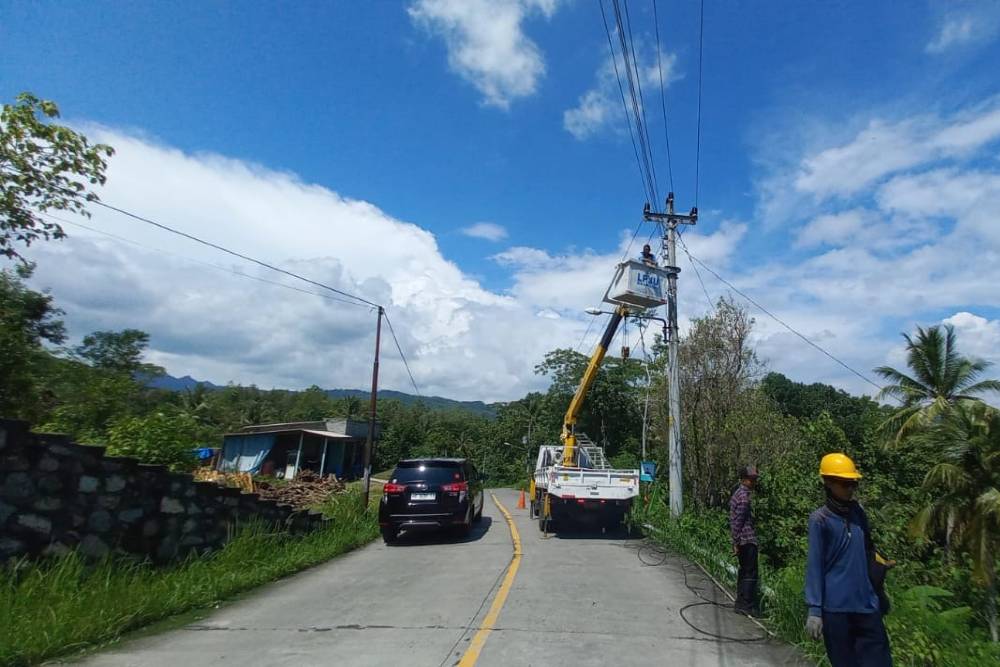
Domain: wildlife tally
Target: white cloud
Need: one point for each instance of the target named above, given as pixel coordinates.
(836, 229)
(486, 230)
(601, 107)
(977, 336)
(486, 43)
(572, 281)
(965, 28)
(212, 325)
(804, 183)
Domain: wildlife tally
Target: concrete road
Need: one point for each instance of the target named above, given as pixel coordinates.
(575, 600)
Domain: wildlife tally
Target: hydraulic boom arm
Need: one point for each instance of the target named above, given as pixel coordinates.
(569, 422)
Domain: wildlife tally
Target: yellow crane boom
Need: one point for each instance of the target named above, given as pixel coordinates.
(573, 411)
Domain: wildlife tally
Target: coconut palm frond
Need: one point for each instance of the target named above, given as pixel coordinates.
(947, 477)
(980, 388)
(988, 506)
(926, 521)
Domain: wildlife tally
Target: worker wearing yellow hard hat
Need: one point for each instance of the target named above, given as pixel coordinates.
(844, 575)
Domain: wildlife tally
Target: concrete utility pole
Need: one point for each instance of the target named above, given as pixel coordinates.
(670, 220)
(370, 441)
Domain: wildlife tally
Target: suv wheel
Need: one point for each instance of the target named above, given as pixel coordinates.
(390, 534)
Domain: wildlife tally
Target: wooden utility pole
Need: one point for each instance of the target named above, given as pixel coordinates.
(370, 441)
(670, 220)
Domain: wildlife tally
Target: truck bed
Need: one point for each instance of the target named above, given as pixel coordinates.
(588, 483)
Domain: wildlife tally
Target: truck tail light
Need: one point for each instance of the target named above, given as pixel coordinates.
(391, 489)
(456, 487)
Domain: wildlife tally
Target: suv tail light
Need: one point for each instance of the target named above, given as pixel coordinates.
(455, 487)
(393, 489)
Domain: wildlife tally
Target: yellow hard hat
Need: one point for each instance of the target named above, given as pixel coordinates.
(838, 465)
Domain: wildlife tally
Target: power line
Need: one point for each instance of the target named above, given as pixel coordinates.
(782, 322)
(663, 100)
(631, 75)
(701, 58)
(401, 355)
(628, 118)
(123, 239)
(704, 289)
(642, 103)
(232, 252)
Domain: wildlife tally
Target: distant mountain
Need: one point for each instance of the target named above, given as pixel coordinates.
(171, 383)
(433, 402)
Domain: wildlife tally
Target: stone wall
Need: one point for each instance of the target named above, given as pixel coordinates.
(56, 495)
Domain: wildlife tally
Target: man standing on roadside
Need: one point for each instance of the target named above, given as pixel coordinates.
(744, 543)
(844, 574)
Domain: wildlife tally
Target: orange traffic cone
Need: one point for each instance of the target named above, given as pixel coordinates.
(520, 501)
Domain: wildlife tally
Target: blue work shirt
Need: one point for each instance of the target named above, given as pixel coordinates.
(837, 566)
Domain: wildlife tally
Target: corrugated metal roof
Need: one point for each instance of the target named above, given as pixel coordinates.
(330, 434)
(326, 434)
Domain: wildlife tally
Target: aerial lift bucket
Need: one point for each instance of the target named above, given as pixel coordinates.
(639, 285)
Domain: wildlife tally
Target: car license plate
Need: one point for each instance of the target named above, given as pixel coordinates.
(422, 496)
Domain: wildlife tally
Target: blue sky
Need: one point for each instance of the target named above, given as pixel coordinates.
(822, 124)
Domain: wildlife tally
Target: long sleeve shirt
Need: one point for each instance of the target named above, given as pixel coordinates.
(837, 565)
(740, 517)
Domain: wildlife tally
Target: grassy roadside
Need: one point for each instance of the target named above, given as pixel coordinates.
(924, 628)
(63, 605)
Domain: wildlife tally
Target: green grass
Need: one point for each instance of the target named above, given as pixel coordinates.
(925, 626)
(64, 605)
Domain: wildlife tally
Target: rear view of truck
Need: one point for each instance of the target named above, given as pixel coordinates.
(588, 494)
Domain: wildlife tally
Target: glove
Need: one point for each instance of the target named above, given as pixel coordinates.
(814, 627)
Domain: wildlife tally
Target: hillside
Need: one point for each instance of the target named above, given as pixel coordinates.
(171, 383)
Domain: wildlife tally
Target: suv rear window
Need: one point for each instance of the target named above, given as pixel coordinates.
(427, 472)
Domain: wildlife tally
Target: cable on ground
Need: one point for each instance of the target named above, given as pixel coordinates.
(653, 554)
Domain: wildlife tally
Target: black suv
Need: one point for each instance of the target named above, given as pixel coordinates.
(431, 493)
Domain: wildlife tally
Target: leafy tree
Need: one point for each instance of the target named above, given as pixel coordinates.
(28, 319)
(966, 490)
(941, 377)
(118, 352)
(43, 166)
(157, 438)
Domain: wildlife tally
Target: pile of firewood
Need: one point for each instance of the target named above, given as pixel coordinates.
(306, 490)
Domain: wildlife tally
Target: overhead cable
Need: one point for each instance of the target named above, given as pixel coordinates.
(233, 252)
(663, 99)
(123, 239)
(646, 185)
(708, 298)
(642, 103)
(401, 355)
(631, 75)
(701, 57)
(783, 323)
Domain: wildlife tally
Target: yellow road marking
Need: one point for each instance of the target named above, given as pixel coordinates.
(479, 640)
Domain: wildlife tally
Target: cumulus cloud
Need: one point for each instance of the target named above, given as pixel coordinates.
(486, 230)
(977, 336)
(486, 43)
(963, 28)
(881, 149)
(902, 227)
(600, 107)
(209, 323)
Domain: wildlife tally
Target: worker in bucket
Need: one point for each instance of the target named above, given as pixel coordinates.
(647, 256)
(845, 577)
(744, 543)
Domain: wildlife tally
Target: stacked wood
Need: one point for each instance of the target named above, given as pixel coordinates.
(306, 490)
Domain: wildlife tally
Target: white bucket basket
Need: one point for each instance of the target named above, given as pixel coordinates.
(639, 285)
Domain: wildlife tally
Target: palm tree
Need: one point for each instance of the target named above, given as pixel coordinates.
(941, 377)
(966, 490)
